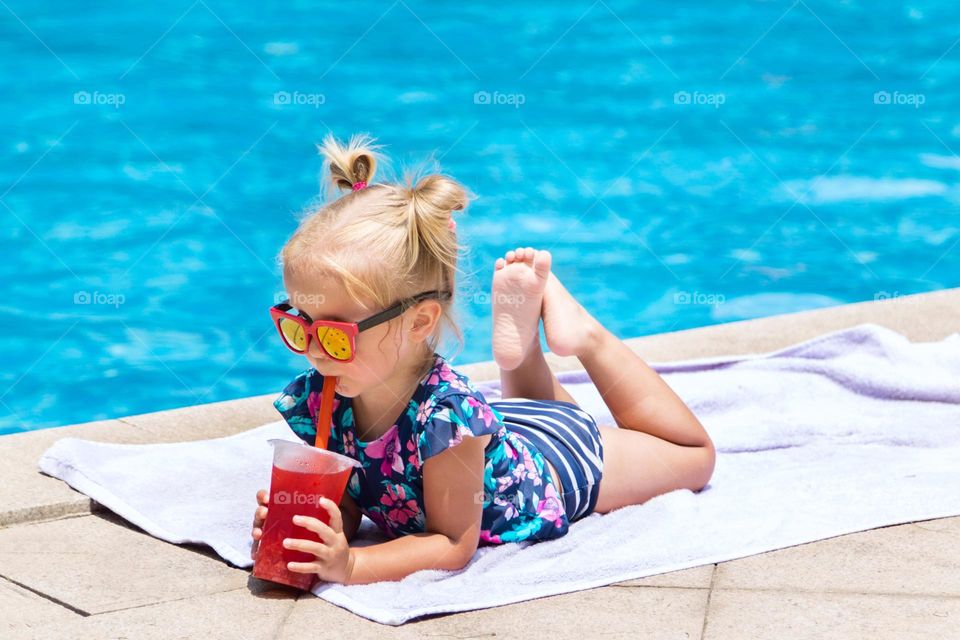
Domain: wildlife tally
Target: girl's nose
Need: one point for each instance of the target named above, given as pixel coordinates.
(316, 351)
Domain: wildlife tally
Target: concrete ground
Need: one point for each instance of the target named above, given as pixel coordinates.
(71, 569)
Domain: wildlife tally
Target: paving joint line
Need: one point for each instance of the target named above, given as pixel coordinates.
(45, 596)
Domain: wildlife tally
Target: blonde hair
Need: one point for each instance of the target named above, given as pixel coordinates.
(384, 242)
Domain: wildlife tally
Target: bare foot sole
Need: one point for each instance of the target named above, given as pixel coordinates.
(568, 327)
(519, 280)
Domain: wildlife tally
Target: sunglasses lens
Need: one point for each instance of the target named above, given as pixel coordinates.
(293, 334)
(335, 342)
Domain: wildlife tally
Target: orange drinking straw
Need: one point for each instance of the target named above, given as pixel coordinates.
(325, 415)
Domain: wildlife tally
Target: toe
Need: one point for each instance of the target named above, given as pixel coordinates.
(510, 256)
(499, 264)
(541, 263)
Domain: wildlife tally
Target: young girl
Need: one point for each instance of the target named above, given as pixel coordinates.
(444, 471)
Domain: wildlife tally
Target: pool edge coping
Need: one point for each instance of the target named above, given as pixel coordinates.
(920, 317)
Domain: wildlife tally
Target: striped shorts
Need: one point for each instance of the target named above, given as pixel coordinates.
(566, 436)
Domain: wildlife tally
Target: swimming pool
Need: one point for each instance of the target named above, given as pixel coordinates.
(685, 166)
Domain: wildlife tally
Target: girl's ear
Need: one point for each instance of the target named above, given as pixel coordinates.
(425, 319)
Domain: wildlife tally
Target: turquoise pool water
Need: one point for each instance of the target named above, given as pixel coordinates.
(686, 166)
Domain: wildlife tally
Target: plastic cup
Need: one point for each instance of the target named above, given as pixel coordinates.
(301, 476)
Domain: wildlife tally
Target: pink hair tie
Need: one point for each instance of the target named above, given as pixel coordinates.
(359, 185)
(452, 224)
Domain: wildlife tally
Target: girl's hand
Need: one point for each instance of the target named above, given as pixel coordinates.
(258, 517)
(334, 560)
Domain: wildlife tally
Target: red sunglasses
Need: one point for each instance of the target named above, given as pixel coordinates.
(338, 339)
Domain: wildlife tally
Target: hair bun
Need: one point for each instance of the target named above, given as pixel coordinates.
(348, 165)
(440, 194)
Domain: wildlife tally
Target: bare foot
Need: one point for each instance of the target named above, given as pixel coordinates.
(518, 283)
(569, 328)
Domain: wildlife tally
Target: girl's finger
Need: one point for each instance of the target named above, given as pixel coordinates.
(257, 534)
(307, 546)
(304, 567)
(317, 526)
(336, 520)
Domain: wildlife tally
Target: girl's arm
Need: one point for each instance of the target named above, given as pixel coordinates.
(453, 504)
(351, 515)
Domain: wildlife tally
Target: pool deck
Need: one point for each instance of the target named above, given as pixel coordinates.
(71, 569)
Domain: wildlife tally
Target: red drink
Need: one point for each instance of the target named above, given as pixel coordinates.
(301, 476)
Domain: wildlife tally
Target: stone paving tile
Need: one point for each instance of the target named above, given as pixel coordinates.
(608, 612)
(918, 558)
(213, 420)
(736, 614)
(694, 577)
(238, 614)
(96, 563)
(35, 496)
(22, 610)
(30, 495)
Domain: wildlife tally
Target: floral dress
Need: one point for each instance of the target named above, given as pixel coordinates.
(520, 497)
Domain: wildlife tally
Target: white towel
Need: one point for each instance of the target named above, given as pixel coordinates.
(850, 431)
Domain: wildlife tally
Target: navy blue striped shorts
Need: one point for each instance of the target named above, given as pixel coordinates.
(569, 438)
